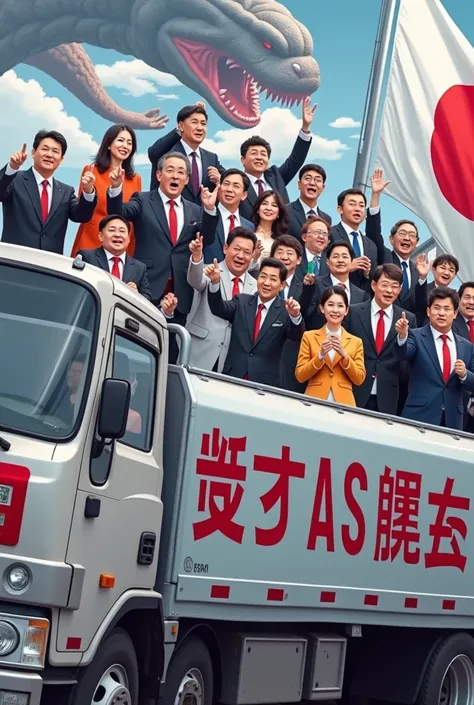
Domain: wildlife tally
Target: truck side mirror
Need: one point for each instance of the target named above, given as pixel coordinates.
(113, 411)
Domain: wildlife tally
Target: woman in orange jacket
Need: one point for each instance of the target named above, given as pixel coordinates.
(117, 148)
(330, 359)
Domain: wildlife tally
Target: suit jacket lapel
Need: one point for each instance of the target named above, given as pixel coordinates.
(220, 229)
(250, 313)
(159, 208)
(102, 260)
(32, 189)
(248, 281)
(270, 318)
(299, 212)
(226, 281)
(341, 230)
(429, 343)
(128, 269)
(57, 197)
(366, 319)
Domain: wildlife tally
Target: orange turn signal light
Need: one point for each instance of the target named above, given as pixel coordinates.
(106, 580)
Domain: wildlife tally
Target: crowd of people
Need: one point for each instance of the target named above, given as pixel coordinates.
(270, 290)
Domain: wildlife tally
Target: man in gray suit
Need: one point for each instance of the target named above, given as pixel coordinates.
(210, 334)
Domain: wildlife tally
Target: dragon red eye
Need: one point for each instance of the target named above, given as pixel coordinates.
(267, 45)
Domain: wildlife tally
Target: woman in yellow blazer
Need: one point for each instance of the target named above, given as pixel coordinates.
(330, 359)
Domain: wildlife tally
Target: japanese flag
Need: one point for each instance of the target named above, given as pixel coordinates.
(426, 143)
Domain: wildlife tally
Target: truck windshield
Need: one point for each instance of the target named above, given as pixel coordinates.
(46, 335)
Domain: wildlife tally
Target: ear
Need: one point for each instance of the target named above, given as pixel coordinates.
(340, 210)
(244, 196)
(373, 285)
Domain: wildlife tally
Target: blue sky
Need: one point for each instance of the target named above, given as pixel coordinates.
(343, 33)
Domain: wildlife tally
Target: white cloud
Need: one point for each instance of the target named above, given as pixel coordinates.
(26, 109)
(355, 137)
(280, 127)
(167, 96)
(135, 78)
(343, 123)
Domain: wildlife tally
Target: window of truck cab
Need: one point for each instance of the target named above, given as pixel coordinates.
(48, 331)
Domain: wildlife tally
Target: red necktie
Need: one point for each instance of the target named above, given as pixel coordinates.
(446, 358)
(232, 222)
(195, 174)
(115, 267)
(258, 322)
(380, 332)
(173, 222)
(44, 201)
(236, 287)
(260, 187)
(471, 330)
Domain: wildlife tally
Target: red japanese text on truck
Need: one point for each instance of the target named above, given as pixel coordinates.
(170, 535)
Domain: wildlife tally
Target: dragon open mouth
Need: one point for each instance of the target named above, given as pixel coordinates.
(235, 89)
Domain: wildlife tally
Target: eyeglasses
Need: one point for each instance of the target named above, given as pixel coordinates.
(390, 287)
(317, 232)
(406, 233)
(312, 180)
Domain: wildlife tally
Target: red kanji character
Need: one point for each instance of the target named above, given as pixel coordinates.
(445, 527)
(285, 468)
(397, 518)
(221, 518)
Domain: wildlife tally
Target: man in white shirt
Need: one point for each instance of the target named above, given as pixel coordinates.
(441, 363)
(36, 207)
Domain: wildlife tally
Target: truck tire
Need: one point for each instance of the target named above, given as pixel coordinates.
(112, 677)
(449, 676)
(190, 677)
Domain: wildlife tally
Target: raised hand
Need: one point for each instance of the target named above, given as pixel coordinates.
(362, 263)
(423, 266)
(201, 104)
(292, 307)
(377, 182)
(168, 304)
(19, 158)
(309, 279)
(195, 247)
(116, 177)
(214, 175)
(213, 272)
(401, 326)
(88, 181)
(155, 120)
(209, 198)
(308, 113)
(257, 253)
(460, 368)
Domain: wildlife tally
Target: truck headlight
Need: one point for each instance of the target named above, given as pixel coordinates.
(9, 638)
(35, 642)
(18, 578)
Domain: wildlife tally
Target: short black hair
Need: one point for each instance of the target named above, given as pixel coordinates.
(240, 231)
(446, 259)
(287, 241)
(313, 167)
(350, 192)
(52, 135)
(391, 271)
(108, 218)
(255, 141)
(330, 291)
(339, 243)
(189, 110)
(275, 264)
(237, 172)
(395, 227)
(444, 292)
(464, 286)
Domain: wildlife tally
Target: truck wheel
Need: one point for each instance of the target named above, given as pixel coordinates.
(189, 680)
(449, 677)
(112, 677)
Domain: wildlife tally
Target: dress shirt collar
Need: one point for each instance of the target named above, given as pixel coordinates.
(307, 208)
(333, 332)
(309, 255)
(403, 259)
(436, 334)
(225, 214)
(40, 179)
(289, 280)
(254, 179)
(337, 282)
(267, 304)
(110, 255)
(189, 149)
(375, 308)
(166, 198)
(232, 276)
(348, 229)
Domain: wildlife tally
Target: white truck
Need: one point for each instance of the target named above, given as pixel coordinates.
(176, 536)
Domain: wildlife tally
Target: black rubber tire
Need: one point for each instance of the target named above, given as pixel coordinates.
(450, 647)
(192, 653)
(117, 648)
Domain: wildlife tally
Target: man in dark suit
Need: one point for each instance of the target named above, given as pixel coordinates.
(315, 238)
(261, 324)
(445, 268)
(255, 155)
(463, 325)
(187, 138)
(36, 207)
(374, 323)
(441, 363)
(311, 184)
(339, 257)
(114, 234)
(233, 190)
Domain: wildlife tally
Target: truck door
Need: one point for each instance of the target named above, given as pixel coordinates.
(118, 512)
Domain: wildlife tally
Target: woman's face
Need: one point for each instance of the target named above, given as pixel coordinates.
(269, 210)
(122, 146)
(334, 310)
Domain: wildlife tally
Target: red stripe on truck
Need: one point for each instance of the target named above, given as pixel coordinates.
(411, 603)
(275, 594)
(13, 486)
(449, 604)
(220, 592)
(327, 596)
(371, 600)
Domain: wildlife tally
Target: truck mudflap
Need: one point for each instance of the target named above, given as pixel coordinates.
(318, 512)
(20, 688)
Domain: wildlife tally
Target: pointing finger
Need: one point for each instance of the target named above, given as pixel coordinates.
(24, 148)
(404, 316)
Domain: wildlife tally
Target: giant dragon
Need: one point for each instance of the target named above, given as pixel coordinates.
(228, 51)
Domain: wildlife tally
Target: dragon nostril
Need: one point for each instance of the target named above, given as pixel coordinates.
(297, 69)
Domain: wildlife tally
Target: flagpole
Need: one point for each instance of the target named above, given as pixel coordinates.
(374, 93)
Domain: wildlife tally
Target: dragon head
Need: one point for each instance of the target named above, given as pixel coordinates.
(229, 51)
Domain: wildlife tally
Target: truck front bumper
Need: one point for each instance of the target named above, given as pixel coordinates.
(27, 688)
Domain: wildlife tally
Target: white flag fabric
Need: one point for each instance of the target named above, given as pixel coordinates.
(426, 142)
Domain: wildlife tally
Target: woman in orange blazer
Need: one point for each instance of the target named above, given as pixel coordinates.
(330, 359)
(117, 148)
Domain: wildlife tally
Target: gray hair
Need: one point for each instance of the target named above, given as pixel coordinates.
(176, 155)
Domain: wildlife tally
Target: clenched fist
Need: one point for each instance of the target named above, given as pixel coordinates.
(116, 177)
(292, 307)
(88, 181)
(401, 326)
(460, 368)
(213, 272)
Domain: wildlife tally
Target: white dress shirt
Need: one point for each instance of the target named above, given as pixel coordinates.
(344, 285)
(188, 151)
(374, 317)
(178, 206)
(307, 208)
(39, 180)
(254, 179)
(408, 267)
(296, 321)
(110, 260)
(225, 215)
(331, 355)
(287, 286)
(349, 230)
(439, 347)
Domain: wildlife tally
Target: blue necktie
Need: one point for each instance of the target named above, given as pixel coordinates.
(316, 264)
(282, 293)
(310, 213)
(405, 278)
(356, 244)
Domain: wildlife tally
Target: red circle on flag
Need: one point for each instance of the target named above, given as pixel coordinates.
(452, 148)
